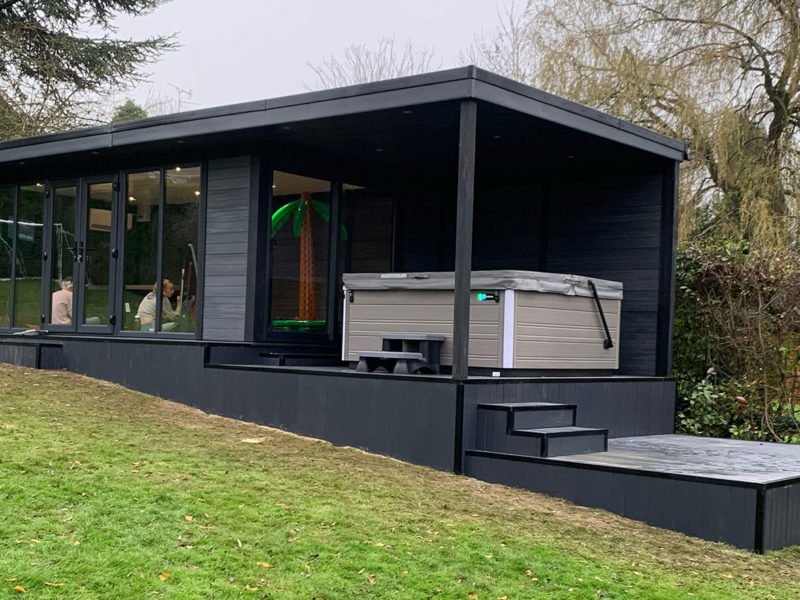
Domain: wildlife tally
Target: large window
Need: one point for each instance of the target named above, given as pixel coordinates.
(6, 253)
(21, 236)
(300, 252)
(161, 219)
(63, 247)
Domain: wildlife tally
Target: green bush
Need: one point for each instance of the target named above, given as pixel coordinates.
(737, 341)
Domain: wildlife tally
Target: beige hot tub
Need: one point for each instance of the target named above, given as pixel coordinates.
(518, 319)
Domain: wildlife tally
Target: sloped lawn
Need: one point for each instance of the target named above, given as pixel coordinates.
(108, 493)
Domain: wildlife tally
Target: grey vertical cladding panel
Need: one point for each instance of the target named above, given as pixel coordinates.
(610, 229)
(226, 255)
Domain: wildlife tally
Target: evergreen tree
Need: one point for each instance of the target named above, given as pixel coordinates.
(52, 70)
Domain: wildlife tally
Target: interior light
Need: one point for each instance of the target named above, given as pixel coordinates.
(131, 199)
(178, 169)
(197, 192)
(38, 185)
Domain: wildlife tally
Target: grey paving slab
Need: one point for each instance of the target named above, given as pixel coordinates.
(730, 460)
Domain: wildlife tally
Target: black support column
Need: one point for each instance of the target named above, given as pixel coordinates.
(666, 283)
(463, 258)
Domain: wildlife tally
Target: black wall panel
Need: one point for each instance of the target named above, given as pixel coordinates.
(609, 228)
(410, 420)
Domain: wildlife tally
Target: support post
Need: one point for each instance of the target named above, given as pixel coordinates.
(666, 283)
(463, 258)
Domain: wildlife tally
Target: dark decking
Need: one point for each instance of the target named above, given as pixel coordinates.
(689, 456)
(739, 492)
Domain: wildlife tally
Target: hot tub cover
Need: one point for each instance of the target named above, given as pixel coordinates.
(531, 281)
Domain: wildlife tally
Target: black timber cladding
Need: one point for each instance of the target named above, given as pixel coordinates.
(226, 248)
(610, 227)
(409, 419)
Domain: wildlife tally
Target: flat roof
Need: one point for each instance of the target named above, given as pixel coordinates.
(442, 86)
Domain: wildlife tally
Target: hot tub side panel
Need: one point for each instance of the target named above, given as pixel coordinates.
(373, 312)
(564, 332)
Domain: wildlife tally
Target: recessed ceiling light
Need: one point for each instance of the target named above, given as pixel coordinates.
(22, 162)
(286, 128)
(179, 141)
(378, 149)
(407, 111)
(496, 137)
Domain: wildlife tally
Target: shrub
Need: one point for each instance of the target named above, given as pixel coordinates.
(737, 341)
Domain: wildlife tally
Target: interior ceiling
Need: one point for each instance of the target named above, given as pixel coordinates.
(403, 142)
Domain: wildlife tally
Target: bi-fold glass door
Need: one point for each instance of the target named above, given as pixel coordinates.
(81, 255)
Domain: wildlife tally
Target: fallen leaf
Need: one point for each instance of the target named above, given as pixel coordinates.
(473, 597)
(528, 572)
(188, 517)
(239, 542)
(502, 598)
(53, 584)
(291, 539)
(19, 588)
(164, 576)
(251, 589)
(76, 543)
(266, 565)
(12, 579)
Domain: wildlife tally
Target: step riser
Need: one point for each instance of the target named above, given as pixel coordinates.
(574, 444)
(492, 435)
(537, 419)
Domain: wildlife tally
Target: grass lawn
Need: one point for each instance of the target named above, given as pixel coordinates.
(108, 493)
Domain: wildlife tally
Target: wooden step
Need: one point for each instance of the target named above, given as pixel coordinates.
(563, 441)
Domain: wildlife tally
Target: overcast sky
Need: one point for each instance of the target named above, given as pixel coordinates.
(238, 50)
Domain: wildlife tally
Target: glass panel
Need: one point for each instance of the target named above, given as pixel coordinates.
(63, 255)
(299, 273)
(6, 247)
(30, 229)
(97, 256)
(367, 215)
(178, 267)
(142, 216)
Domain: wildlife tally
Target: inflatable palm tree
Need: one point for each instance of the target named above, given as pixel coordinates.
(300, 211)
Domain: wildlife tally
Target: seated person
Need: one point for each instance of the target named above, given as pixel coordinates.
(61, 307)
(146, 314)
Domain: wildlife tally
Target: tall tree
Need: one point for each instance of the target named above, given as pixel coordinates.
(722, 74)
(362, 64)
(128, 110)
(51, 69)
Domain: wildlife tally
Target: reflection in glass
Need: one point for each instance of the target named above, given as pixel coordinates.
(62, 252)
(300, 234)
(142, 216)
(179, 261)
(97, 254)
(6, 253)
(28, 277)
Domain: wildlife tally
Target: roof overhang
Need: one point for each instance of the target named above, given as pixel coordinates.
(443, 86)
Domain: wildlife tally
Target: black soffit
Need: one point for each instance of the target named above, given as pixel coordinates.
(414, 116)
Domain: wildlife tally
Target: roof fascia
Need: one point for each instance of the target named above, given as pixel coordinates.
(522, 98)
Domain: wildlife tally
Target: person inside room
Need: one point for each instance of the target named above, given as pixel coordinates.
(61, 303)
(146, 314)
